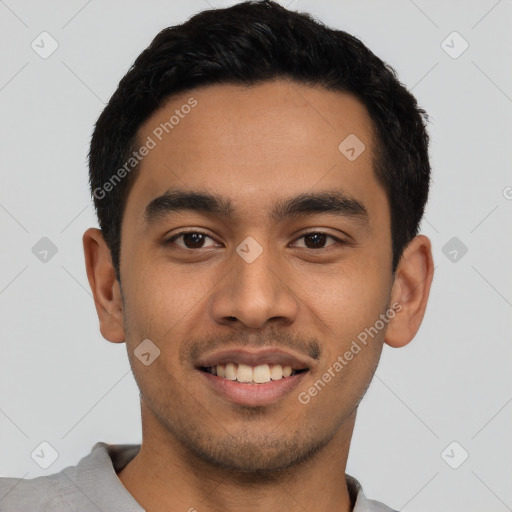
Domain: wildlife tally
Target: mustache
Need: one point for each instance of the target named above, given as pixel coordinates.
(267, 339)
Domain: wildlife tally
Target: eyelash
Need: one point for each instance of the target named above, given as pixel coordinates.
(181, 233)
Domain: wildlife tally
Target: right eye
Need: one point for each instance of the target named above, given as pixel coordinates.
(191, 240)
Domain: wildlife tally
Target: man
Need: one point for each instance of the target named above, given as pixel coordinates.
(259, 180)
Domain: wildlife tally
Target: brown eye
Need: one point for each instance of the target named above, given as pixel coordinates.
(191, 239)
(317, 240)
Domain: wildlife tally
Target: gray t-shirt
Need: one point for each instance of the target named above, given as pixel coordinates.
(93, 486)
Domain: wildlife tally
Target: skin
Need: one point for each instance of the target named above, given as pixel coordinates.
(254, 146)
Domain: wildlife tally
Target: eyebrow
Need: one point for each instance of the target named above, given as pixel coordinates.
(328, 202)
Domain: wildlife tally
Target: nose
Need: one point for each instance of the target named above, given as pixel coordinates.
(254, 293)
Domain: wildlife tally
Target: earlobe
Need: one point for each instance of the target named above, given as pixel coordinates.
(104, 285)
(411, 288)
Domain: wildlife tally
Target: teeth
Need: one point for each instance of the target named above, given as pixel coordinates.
(258, 374)
(244, 373)
(276, 372)
(261, 374)
(230, 371)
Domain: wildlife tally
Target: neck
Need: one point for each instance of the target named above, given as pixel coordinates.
(165, 476)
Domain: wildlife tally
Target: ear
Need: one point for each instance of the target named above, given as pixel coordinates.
(104, 285)
(410, 291)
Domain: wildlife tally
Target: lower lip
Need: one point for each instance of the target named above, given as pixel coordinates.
(253, 395)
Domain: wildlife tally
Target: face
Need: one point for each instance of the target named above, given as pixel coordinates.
(279, 269)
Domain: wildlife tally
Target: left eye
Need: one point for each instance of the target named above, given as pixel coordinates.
(316, 240)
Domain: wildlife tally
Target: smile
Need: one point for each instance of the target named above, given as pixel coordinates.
(247, 374)
(253, 377)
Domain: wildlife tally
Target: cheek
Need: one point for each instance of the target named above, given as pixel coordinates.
(162, 296)
(352, 341)
(348, 298)
(157, 310)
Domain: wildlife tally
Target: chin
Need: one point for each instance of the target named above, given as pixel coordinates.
(256, 456)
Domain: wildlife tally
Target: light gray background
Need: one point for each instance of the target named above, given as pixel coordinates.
(62, 383)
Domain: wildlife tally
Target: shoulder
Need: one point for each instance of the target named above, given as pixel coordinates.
(362, 503)
(39, 494)
(91, 485)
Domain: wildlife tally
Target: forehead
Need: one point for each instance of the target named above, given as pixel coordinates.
(253, 144)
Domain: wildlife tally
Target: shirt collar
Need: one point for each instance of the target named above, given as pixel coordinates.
(106, 460)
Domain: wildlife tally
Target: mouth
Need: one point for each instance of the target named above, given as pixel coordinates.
(253, 378)
(247, 374)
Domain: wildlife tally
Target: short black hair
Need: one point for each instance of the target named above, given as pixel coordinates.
(247, 44)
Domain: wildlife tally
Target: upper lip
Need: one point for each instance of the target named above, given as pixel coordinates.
(255, 357)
